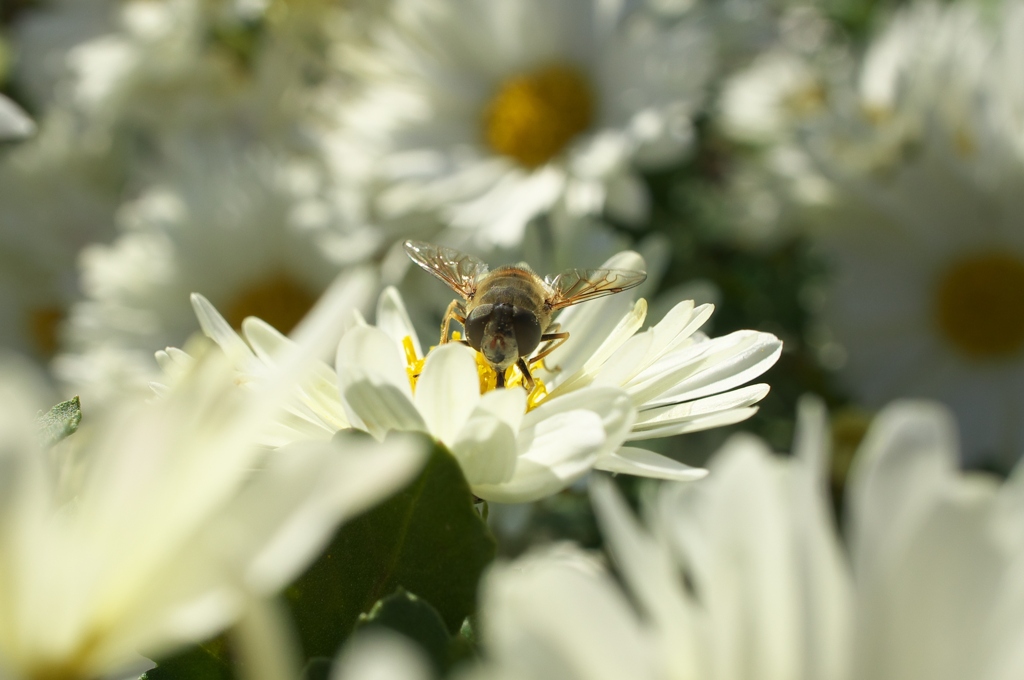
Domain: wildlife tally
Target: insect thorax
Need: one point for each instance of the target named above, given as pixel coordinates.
(516, 286)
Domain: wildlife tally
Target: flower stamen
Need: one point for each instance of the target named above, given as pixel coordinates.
(278, 299)
(487, 376)
(534, 115)
(979, 305)
(413, 364)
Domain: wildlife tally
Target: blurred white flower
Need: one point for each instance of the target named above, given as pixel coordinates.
(924, 233)
(605, 386)
(42, 40)
(763, 102)
(222, 223)
(14, 124)
(55, 197)
(742, 575)
(154, 524)
(771, 180)
(491, 114)
(140, 73)
(381, 656)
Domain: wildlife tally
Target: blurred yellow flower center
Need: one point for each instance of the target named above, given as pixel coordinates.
(278, 299)
(534, 115)
(488, 378)
(43, 323)
(980, 305)
(807, 100)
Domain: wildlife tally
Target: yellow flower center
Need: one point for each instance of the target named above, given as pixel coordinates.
(43, 323)
(979, 305)
(807, 100)
(488, 378)
(534, 115)
(278, 299)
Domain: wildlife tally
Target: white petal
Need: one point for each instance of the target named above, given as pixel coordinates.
(698, 424)
(644, 463)
(558, 451)
(265, 643)
(724, 363)
(627, 259)
(218, 329)
(315, 486)
(901, 469)
(828, 588)
(738, 541)
(378, 407)
(448, 390)
(486, 447)
(627, 361)
(381, 655)
(652, 577)
(393, 319)
(595, 329)
(486, 450)
(561, 439)
(938, 595)
(610, 403)
(373, 383)
(318, 402)
(812, 444)
(366, 350)
(509, 406)
(681, 322)
(266, 341)
(13, 121)
(332, 314)
(716, 403)
(555, 615)
(621, 333)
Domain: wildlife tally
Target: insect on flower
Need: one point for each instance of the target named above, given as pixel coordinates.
(506, 313)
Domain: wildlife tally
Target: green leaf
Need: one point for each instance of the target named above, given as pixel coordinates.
(414, 618)
(318, 668)
(208, 661)
(61, 421)
(427, 539)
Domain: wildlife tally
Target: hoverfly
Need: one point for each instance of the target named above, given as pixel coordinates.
(506, 313)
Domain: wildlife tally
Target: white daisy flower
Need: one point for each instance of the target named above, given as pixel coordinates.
(678, 379)
(156, 523)
(764, 106)
(765, 101)
(42, 38)
(494, 113)
(54, 199)
(924, 234)
(222, 223)
(604, 387)
(506, 453)
(743, 575)
(142, 68)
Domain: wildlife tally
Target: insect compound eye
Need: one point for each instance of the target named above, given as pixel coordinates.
(475, 323)
(527, 329)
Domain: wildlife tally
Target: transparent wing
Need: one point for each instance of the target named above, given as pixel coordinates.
(577, 285)
(458, 270)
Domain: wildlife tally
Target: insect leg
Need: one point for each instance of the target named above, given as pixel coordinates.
(527, 378)
(554, 341)
(455, 311)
